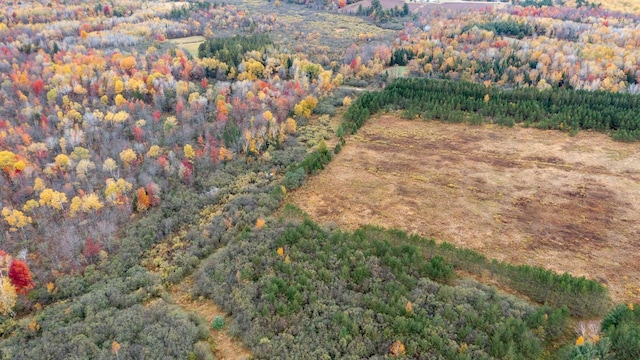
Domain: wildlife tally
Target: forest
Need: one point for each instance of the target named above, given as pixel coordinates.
(129, 166)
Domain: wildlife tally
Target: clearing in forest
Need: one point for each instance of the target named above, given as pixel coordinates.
(224, 346)
(189, 43)
(526, 196)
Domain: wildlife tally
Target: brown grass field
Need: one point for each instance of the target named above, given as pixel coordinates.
(189, 43)
(526, 196)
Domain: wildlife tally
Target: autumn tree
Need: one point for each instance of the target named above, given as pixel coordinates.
(20, 276)
(142, 200)
(8, 296)
(128, 63)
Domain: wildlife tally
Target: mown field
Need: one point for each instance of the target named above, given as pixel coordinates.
(520, 195)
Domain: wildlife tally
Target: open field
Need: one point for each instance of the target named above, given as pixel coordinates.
(521, 195)
(189, 43)
(632, 6)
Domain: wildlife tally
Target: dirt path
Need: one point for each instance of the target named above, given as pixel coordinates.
(223, 346)
(526, 196)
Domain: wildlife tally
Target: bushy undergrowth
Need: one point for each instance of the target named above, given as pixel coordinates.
(298, 291)
(87, 326)
(583, 297)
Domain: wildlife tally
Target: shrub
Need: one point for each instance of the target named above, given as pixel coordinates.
(294, 179)
(439, 270)
(217, 323)
(202, 351)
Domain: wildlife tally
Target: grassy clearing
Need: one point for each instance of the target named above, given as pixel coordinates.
(397, 71)
(189, 43)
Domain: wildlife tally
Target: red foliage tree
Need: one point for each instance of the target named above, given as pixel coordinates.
(38, 87)
(152, 191)
(138, 133)
(91, 250)
(20, 276)
(156, 116)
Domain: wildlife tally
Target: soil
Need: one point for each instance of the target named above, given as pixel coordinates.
(223, 345)
(526, 196)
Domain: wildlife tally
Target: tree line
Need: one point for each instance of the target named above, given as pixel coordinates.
(562, 109)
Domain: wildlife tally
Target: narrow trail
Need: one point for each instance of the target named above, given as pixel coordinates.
(223, 345)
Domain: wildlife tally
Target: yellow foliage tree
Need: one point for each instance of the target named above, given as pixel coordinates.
(252, 70)
(193, 97)
(15, 218)
(52, 95)
(118, 87)
(91, 202)
(189, 153)
(115, 190)
(117, 118)
(84, 167)
(120, 100)
(85, 204)
(267, 115)
(154, 151)
(128, 156)
(109, 165)
(19, 165)
(62, 161)
(75, 205)
(30, 205)
(8, 296)
(290, 126)
(305, 106)
(63, 145)
(170, 124)
(52, 198)
(38, 184)
(7, 159)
